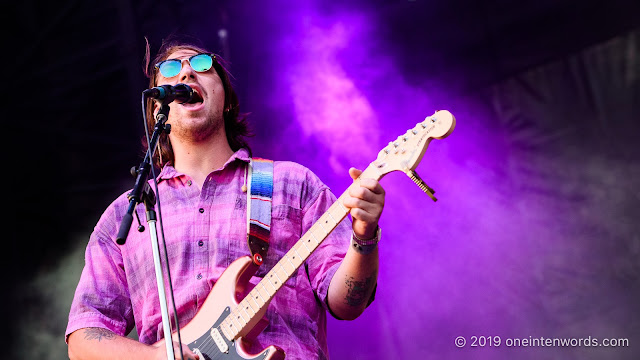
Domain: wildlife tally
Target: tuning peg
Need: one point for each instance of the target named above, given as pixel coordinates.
(421, 184)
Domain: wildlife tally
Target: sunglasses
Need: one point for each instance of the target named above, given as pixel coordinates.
(199, 63)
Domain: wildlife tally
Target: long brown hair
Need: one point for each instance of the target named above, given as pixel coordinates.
(236, 125)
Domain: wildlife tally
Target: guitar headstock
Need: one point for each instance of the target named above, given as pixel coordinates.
(404, 154)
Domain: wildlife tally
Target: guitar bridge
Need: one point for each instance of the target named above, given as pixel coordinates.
(421, 184)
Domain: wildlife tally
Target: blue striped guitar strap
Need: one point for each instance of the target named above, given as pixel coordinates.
(259, 199)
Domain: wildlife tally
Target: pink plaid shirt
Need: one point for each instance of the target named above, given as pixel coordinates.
(205, 231)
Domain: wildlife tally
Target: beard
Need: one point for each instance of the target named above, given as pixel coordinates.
(196, 129)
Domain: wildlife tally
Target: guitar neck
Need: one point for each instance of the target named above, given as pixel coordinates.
(266, 289)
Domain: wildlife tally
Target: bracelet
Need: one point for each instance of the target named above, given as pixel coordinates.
(365, 246)
(374, 240)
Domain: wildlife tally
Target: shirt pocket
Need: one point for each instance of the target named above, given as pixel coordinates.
(286, 227)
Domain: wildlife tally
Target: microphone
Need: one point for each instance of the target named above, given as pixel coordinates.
(169, 93)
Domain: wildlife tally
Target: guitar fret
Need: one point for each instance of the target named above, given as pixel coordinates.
(254, 300)
(340, 211)
(244, 308)
(226, 330)
(276, 274)
(264, 288)
(305, 245)
(299, 257)
(326, 225)
(237, 312)
(315, 238)
(233, 319)
(260, 295)
(331, 216)
(247, 305)
(293, 266)
(287, 275)
(334, 219)
(273, 286)
(318, 233)
(340, 204)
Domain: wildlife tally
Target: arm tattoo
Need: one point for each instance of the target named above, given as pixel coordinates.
(357, 290)
(98, 334)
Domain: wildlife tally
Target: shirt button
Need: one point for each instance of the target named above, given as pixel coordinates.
(189, 182)
(201, 210)
(199, 277)
(200, 243)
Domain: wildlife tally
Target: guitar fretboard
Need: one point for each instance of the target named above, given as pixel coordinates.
(266, 289)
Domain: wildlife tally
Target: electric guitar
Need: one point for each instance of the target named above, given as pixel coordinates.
(233, 313)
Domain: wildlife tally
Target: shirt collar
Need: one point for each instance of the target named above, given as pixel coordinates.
(168, 171)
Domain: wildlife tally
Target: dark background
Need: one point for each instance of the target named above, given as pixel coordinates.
(74, 126)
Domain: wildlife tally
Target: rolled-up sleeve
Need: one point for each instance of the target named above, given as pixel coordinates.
(325, 260)
(102, 295)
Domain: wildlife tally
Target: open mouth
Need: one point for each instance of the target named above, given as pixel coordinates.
(196, 98)
(195, 103)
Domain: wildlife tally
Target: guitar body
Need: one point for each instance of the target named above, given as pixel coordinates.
(225, 295)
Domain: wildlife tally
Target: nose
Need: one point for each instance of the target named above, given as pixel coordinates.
(186, 72)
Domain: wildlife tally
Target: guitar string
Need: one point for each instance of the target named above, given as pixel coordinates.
(209, 343)
(236, 314)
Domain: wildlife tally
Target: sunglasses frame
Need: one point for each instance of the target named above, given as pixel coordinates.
(211, 55)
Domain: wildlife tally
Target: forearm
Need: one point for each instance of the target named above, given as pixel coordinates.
(355, 280)
(353, 283)
(98, 343)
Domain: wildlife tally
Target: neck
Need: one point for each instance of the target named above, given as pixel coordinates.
(199, 158)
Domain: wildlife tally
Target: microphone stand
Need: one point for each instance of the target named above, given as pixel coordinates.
(142, 193)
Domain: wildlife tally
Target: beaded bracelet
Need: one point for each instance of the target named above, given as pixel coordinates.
(365, 246)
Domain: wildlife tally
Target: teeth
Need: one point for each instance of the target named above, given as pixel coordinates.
(195, 98)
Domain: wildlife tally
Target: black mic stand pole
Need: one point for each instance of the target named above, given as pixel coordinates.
(142, 192)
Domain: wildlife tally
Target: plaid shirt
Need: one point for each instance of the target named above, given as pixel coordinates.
(205, 231)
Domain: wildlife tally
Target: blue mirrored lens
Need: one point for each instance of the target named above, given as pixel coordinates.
(170, 68)
(201, 62)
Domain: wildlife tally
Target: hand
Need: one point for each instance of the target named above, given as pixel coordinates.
(365, 203)
(161, 351)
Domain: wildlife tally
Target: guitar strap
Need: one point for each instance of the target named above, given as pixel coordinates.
(259, 200)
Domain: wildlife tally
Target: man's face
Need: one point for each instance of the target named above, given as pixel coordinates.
(197, 121)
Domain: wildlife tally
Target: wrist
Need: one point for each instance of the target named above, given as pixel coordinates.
(365, 246)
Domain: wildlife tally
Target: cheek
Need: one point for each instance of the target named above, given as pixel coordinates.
(218, 95)
(218, 88)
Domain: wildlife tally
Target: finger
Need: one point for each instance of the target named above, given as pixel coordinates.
(188, 354)
(366, 199)
(365, 217)
(359, 196)
(356, 203)
(372, 185)
(354, 173)
(359, 214)
(362, 193)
